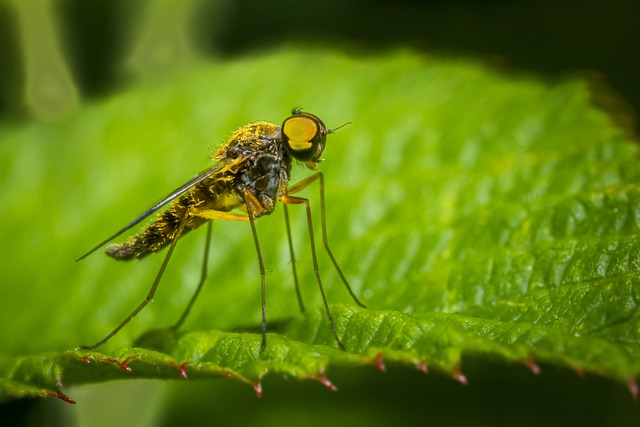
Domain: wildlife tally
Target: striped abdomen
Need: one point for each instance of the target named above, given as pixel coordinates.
(162, 231)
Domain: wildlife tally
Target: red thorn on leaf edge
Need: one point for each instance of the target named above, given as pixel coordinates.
(533, 366)
(183, 370)
(632, 384)
(325, 381)
(257, 386)
(123, 365)
(86, 360)
(580, 371)
(379, 362)
(460, 377)
(422, 367)
(60, 395)
(228, 374)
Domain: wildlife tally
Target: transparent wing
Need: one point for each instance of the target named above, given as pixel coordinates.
(207, 173)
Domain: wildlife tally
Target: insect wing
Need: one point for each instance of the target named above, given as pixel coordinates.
(207, 173)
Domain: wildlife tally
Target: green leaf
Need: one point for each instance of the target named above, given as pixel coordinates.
(473, 212)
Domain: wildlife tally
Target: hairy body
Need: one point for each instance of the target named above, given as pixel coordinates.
(253, 167)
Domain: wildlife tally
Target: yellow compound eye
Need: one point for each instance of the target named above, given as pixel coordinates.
(300, 132)
(303, 135)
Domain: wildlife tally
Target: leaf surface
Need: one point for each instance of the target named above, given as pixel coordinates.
(473, 212)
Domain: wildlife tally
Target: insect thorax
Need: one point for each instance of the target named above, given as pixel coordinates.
(266, 165)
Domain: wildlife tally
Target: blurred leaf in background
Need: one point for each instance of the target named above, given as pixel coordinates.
(476, 213)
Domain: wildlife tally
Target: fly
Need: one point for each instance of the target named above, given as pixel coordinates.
(251, 174)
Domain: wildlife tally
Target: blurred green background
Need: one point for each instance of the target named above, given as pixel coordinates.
(56, 55)
(55, 52)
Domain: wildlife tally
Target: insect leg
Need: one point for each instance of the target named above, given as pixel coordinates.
(214, 214)
(203, 277)
(299, 201)
(253, 205)
(293, 258)
(208, 214)
(300, 186)
(152, 291)
(263, 345)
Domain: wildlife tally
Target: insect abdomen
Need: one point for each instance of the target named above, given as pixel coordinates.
(159, 233)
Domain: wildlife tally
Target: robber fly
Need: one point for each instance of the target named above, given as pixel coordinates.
(251, 174)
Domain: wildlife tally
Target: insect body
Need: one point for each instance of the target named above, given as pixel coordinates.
(252, 165)
(251, 174)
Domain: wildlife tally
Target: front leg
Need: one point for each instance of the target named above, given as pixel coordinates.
(214, 214)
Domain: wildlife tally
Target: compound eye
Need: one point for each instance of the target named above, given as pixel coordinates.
(302, 132)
